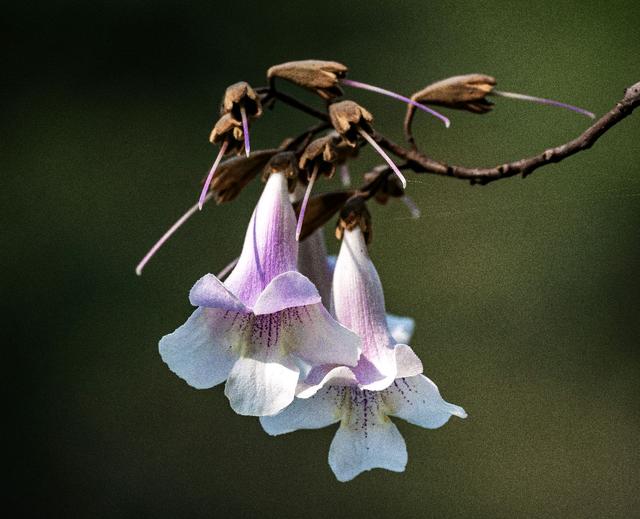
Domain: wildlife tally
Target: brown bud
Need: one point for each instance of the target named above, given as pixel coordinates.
(321, 155)
(237, 95)
(347, 117)
(283, 162)
(319, 76)
(230, 129)
(234, 174)
(383, 183)
(461, 92)
(320, 209)
(354, 214)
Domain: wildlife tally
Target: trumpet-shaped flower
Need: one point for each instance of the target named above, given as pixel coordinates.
(262, 327)
(386, 382)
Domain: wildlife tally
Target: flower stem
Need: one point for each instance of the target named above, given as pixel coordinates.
(192, 210)
(305, 201)
(245, 130)
(205, 188)
(543, 101)
(386, 157)
(378, 90)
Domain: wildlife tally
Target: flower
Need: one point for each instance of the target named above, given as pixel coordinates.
(262, 327)
(386, 382)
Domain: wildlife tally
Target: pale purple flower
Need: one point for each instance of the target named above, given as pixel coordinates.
(262, 327)
(386, 382)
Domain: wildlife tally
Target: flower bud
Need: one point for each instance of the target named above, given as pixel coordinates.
(347, 117)
(385, 185)
(230, 129)
(466, 92)
(354, 213)
(318, 76)
(234, 174)
(321, 155)
(241, 95)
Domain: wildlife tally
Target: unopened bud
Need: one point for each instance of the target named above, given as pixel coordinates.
(320, 155)
(318, 76)
(354, 213)
(230, 129)
(466, 92)
(348, 118)
(241, 95)
(385, 186)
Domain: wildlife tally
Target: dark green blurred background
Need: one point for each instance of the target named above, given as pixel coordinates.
(525, 293)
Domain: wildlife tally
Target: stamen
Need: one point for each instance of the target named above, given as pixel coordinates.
(378, 90)
(245, 130)
(345, 177)
(207, 183)
(169, 233)
(225, 271)
(386, 157)
(305, 201)
(542, 101)
(411, 205)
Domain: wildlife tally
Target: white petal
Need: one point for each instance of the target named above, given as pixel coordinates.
(418, 401)
(317, 338)
(209, 291)
(401, 328)
(203, 350)
(312, 413)
(261, 386)
(285, 291)
(366, 439)
(408, 364)
(322, 376)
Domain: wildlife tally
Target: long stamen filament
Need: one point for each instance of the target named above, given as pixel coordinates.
(207, 182)
(378, 90)
(345, 177)
(305, 201)
(245, 130)
(223, 273)
(412, 206)
(192, 210)
(386, 157)
(543, 101)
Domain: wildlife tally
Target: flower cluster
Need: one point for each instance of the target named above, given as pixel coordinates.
(300, 339)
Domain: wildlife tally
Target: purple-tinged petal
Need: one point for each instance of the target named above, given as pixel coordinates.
(323, 376)
(209, 291)
(314, 413)
(366, 439)
(318, 339)
(261, 386)
(312, 262)
(286, 291)
(270, 248)
(418, 401)
(202, 350)
(401, 327)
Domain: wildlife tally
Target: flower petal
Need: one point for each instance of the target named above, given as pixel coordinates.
(312, 413)
(202, 350)
(408, 364)
(285, 291)
(209, 291)
(312, 262)
(418, 401)
(401, 328)
(317, 338)
(321, 376)
(261, 386)
(269, 247)
(366, 439)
